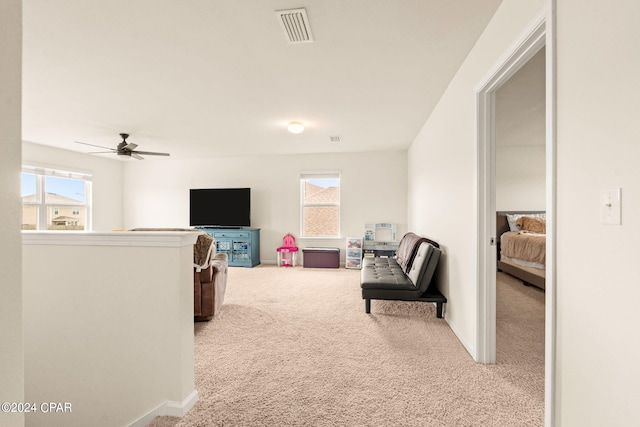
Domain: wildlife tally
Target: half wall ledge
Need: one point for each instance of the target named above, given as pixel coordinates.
(108, 325)
(125, 238)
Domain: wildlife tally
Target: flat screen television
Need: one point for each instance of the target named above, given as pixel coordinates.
(220, 207)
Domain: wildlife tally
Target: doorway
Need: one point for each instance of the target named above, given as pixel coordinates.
(538, 35)
(520, 143)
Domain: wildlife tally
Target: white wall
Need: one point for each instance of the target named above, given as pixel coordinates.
(108, 325)
(520, 138)
(598, 148)
(598, 329)
(442, 169)
(520, 178)
(373, 189)
(11, 341)
(107, 184)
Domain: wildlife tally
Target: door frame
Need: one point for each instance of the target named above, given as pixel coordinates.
(540, 33)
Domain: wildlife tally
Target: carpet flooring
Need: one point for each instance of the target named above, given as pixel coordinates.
(294, 347)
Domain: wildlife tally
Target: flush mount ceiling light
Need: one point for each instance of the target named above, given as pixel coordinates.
(295, 127)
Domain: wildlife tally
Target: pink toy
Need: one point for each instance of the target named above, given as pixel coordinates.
(287, 252)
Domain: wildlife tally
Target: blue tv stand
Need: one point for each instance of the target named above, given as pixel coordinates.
(241, 244)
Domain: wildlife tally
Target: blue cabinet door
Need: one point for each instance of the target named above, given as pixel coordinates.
(242, 245)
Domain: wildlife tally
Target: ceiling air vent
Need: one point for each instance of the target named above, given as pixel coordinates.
(295, 24)
(334, 138)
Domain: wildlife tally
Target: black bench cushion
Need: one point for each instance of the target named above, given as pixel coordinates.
(384, 278)
(384, 273)
(426, 259)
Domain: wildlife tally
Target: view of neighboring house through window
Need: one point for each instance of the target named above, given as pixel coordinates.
(55, 199)
(320, 204)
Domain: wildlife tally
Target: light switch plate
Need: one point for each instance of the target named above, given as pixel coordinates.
(610, 206)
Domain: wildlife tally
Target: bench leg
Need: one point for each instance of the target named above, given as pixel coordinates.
(367, 306)
(439, 310)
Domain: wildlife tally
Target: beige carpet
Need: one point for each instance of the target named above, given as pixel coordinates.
(294, 347)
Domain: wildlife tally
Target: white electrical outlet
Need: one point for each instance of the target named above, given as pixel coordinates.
(610, 206)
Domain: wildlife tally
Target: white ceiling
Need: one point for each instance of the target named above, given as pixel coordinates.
(213, 78)
(520, 106)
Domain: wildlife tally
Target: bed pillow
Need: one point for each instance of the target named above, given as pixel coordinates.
(532, 224)
(513, 218)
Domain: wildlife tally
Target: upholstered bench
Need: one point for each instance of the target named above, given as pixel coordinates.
(321, 257)
(407, 278)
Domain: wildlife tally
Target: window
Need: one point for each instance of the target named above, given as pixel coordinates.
(55, 199)
(320, 204)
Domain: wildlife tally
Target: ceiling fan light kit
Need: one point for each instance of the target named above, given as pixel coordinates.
(125, 148)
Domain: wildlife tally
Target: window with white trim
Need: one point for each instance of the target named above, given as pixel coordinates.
(55, 199)
(320, 204)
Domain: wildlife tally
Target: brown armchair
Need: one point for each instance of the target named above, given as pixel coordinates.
(209, 286)
(209, 274)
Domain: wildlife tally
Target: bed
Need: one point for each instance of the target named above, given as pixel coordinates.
(521, 253)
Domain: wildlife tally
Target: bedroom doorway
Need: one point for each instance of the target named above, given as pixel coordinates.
(538, 36)
(520, 143)
(520, 173)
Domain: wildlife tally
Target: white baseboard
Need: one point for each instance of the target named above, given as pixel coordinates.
(470, 349)
(169, 408)
(298, 264)
(180, 409)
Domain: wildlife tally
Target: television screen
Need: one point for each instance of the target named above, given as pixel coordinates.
(220, 207)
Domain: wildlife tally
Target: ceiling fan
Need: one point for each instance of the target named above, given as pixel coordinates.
(125, 149)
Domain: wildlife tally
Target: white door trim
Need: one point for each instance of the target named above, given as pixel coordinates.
(540, 33)
(551, 198)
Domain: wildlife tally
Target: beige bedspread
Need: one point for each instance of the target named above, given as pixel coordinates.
(524, 246)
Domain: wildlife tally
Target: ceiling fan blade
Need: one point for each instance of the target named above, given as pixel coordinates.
(124, 148)
(93, 145)
(152, 153)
